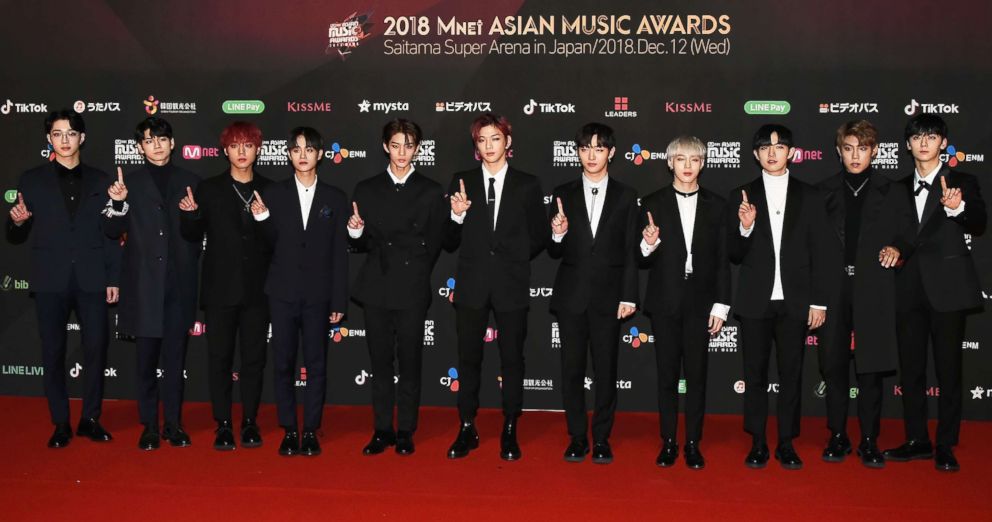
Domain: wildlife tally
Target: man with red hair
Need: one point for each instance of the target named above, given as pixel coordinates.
(235, 262)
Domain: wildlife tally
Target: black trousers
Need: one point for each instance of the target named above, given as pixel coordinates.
(395, 335)
(470, 324)
(170, 349)
(789, 335)
(53, 310)
(291, 321)
(682, 347)
(249, 325)
(582, 334)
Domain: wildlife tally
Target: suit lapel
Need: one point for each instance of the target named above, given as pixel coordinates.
(610, 203)
(509, 186)
(793, 206)
(756, 196)
(836, 205)
(933, 197)
(575, 205)
(671, 203)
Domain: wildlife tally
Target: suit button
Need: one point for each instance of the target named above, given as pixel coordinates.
(492, 252)
(159, 258)
(406, 262)
(160, 207)
(161, 233)
(389, 243)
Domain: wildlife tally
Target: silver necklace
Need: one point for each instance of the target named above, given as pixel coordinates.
(247, 202)
(855, 191)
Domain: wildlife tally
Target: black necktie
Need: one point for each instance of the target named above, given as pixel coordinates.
(923, 185)
(491, 200)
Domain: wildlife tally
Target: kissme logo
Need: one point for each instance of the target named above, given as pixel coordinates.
(953, 157)
(448, 290)
(639, 155)
(930, 391)
(636, 337)
(450, 381)
(337, 153)
(196, 152)
(801, 155)
(621, 108)
(316, 106)
(887, 157)
(688, 107)
(198, 329)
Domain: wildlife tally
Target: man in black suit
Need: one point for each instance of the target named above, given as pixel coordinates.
(305, 220)
(596, 286)
(398, 220)
(937, 288)
(235, 261)
(777, 233)
(688, 287)
(872, 228)
(74, 266)
(158, 277)
(496, 242)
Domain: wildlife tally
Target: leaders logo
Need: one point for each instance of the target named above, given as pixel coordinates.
(621, 108)
(953, 157)
(564, 154)
(914, 107)
(639, 155)
(723, 155)
(757, 108)
(302, 381)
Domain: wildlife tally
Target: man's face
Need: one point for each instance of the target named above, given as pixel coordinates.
(926, 147)
(856, 157)
(241, 154)
(303, 156)
(157, 149)
(686, 165)
(595, 157)
(774, 158)
(492, 144)
(65, 141)
(401, 150)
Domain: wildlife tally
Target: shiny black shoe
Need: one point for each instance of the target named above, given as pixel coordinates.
(577, 450)
(149, 438)
(944, 460)
(838, 447)
(757, 458)
(910, 450)
(251, 436)
(404, 443)
(601, 452)
(870, 456)
(380, 441)
(786, 456)
(693, 457)
(668, 455)
(467, 440)
(176, 435)
(224, 441)
(509, 450)
(290, 444)
(309, 445)
(61, 436)
(91, 429)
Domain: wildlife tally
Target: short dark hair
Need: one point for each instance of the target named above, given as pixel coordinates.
(602, 132)
(75, 119)
(407, 128)
(763, 136)
(310, 136)
(925, 124)
(154, 126)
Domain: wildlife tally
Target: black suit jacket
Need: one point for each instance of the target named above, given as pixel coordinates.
(710, 267)
(403, 233)
(596, 273)
(62, 246)
(886, 220)
(495, 265)
(235, 252)
(949, 277)
(307, 265)
(805, 262)
(154, 242)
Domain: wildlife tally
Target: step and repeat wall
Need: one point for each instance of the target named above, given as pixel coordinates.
(651, 70)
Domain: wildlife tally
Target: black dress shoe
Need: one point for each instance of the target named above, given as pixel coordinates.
(309, 445)
(944, 459)
(786, 456)
(404, 443)
(61, 436)
(757, 458)
(693, 457)
(91, 429)
(871, 457)
(838, 447)
(601, 453)
(668, 455)
(149, 438)
(176, 435)
(251, 436)
(290, 444)
(577, 450)
(380, 441)
(467, 440)
(224, 441)
(911, 450)
(508, 448)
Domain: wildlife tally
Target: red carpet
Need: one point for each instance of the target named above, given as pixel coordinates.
(116, 481)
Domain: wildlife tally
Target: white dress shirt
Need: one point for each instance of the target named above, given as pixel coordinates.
(921, 199)
(500, 177)
(592, 202)
(356, 233)
(306, 201)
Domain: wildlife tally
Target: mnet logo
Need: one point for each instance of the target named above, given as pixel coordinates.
(546, 108)
(621, 108)
(724, 341)
(887, 157)
(913, 108)
(198, 329)
(688, 107)
(801, 155)
(639, 155)
(195, 152)
(978, 392)
(953, 156)
(9, 283)
(448, 290)
(636, 338)
(450, 381)
(323, 106)
(812, 341)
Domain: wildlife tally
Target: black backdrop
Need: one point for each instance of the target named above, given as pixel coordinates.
(651, 70)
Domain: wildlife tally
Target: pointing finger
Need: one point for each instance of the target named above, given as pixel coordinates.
(20, 199)
(560, 210)
(189, 193)
(943, 183)
(120, 175)
(744, 195)
(258, 198)
(354, 205)
(650, 219)
(461, 186)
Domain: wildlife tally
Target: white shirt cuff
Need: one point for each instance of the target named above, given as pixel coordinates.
(458, 219)
(647, 249)
(558, 237)
(262, 216)
(818, 307)
(746, 232)
(720, 310)
(355, 233)
(632, 305)
(956, 212)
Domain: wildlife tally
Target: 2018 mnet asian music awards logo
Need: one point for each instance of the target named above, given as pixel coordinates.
(344, 37)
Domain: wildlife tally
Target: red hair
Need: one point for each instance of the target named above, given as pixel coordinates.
(487, 119)
(241, 132)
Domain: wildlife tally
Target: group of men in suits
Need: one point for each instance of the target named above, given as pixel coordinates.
(849, 257)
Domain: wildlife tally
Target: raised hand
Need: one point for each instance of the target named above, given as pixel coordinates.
(19, 213)
(355, 221)
(118, 191)
(459, 200)
(949, 197)
(747, 212)
(188, 204)
(335, 317)
(257, 205)
(559, 223)
(650, 232)
(888, 257)
(816, 318)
